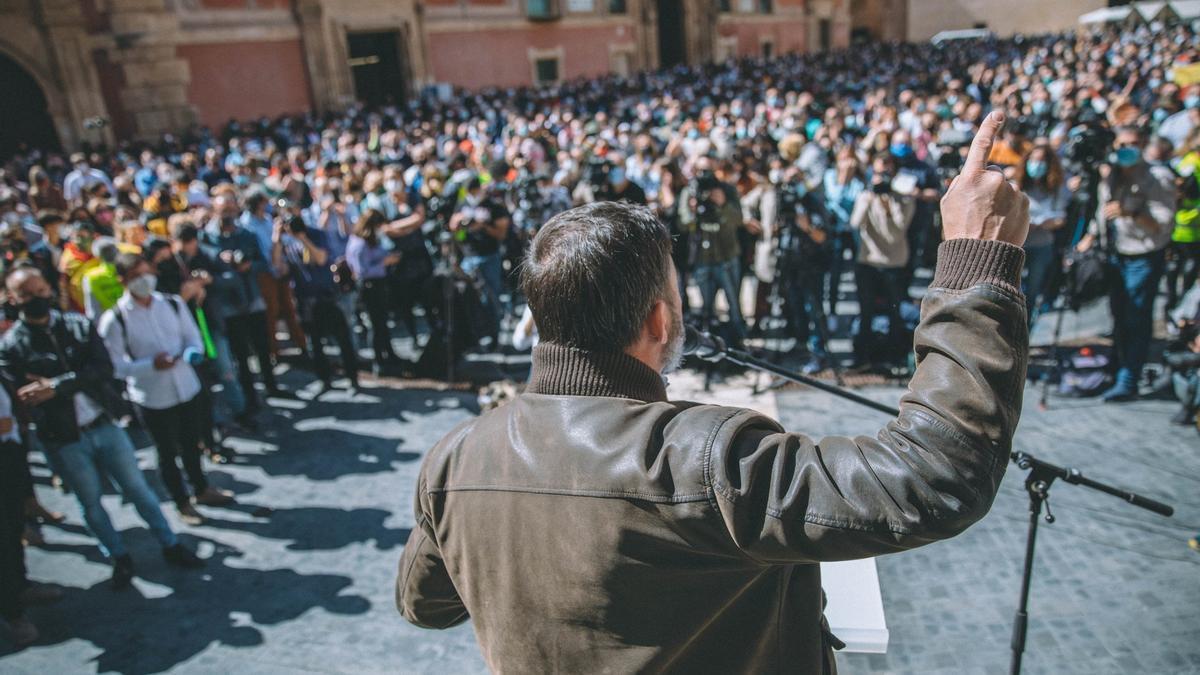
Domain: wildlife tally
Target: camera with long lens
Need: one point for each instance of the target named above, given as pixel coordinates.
(950, 144)
(794, 244)
(1087, 146)
(596, 172)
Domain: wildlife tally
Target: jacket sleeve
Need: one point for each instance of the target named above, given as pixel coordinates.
(95, 372)
(425, 594)
(928, 474)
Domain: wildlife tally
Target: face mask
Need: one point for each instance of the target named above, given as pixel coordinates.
(1192, 101)
(1035, 169)
(242, 180)
(35, 308)
(1127, 157)
(1159, 115)
(474, 199)
(392, 185)
(142, 286)
(616, 176)
(1154, 83)
(12, 218)
(902, 150)
(1041, 107)
(775, 176)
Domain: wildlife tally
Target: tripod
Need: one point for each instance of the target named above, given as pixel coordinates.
(1037, 483)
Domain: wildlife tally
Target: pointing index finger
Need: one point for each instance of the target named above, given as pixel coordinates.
(981, 147)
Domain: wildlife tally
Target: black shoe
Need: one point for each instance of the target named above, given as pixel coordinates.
(247, 421)
(281, 393)
(1186, 417)
(122, 576)
(179, 556)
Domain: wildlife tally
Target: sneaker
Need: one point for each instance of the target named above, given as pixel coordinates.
(1119, 393)
(1185, 417)
(179, 556)
(41, 594)
(122, 575)
(22, 632)
(214, 497)
(189, 515)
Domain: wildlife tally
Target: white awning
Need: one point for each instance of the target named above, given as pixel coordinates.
(1186, 10)
(1106, 15)
(1150, 10)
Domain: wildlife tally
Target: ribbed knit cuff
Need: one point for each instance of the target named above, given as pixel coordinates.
(963, 263)
(563, 371)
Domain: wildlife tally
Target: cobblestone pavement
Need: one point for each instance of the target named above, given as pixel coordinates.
(307, 586)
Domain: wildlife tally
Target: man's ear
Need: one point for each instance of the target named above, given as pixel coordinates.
(658, 323)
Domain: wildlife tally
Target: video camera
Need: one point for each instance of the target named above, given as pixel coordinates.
(1087, 147)
(950, 144)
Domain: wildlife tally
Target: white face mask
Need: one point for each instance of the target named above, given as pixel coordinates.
(142, 286)
(12, 218)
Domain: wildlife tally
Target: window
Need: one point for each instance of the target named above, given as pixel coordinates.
(545, 70)
(768, 49)
(766, 6)
(616, 6)
(826, 34)
(541, 10)
(723, 6)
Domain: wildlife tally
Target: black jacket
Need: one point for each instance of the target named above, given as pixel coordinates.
(70, 352)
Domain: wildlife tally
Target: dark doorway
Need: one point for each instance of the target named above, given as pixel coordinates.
(25, 122)
(380, 74)
(672, 48)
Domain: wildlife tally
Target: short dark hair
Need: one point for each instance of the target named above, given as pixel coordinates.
(592, 275)
(127, 262)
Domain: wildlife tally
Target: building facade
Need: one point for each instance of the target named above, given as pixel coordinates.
(101, 70)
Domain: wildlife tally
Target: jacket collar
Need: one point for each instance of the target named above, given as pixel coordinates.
(564, 371)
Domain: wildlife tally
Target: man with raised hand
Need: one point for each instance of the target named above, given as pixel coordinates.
(593, 525)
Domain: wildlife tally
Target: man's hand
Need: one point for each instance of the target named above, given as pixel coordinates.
(164, 361)
(38, 391)
(981, 203)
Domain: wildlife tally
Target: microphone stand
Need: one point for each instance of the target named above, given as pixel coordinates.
(1037, 482)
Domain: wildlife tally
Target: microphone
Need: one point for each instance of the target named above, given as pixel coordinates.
(702, 345)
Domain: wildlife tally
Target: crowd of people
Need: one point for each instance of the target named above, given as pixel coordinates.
(157, 281)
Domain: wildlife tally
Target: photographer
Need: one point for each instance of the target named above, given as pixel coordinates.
(710, 213)
(370, 260)
(1133, 225)
(882, 218)
(301, 251)
(246, 319)
(479, 225)
(803, 259)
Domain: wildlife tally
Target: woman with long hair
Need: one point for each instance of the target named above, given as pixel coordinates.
(1039, 175)
(369, 260)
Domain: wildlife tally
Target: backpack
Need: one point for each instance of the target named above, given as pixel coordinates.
(124, 329)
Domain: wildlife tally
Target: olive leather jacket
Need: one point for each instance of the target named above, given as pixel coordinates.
(591, 525)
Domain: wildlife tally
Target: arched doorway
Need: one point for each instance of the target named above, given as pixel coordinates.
(25, 120)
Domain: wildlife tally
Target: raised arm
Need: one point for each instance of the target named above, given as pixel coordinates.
(934, 470)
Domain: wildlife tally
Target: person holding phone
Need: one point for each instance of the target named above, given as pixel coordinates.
(369, 258)
(154, 344)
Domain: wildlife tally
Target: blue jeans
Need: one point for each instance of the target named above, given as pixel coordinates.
(231, 390)
(1132, 300)
(107, 448)
(727, 277)
(1038, 260)
(1187, 388)
(493, 277)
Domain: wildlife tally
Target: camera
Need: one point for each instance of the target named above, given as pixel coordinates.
(295, 225)
(707, 211)
(1086, 148)
(596, 171)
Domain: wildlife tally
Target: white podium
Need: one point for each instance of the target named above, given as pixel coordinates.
(855, 609)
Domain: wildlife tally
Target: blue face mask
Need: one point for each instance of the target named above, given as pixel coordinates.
(1035, 169)
(1159, 115)
(1127, 157)
(902, 150)
(1041, 107)
(616, 176)
(1192, 101)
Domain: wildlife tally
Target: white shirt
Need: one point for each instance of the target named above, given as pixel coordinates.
(77, 181)
(150, 331)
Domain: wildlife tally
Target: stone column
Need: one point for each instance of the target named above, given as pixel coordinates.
(154, 92)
